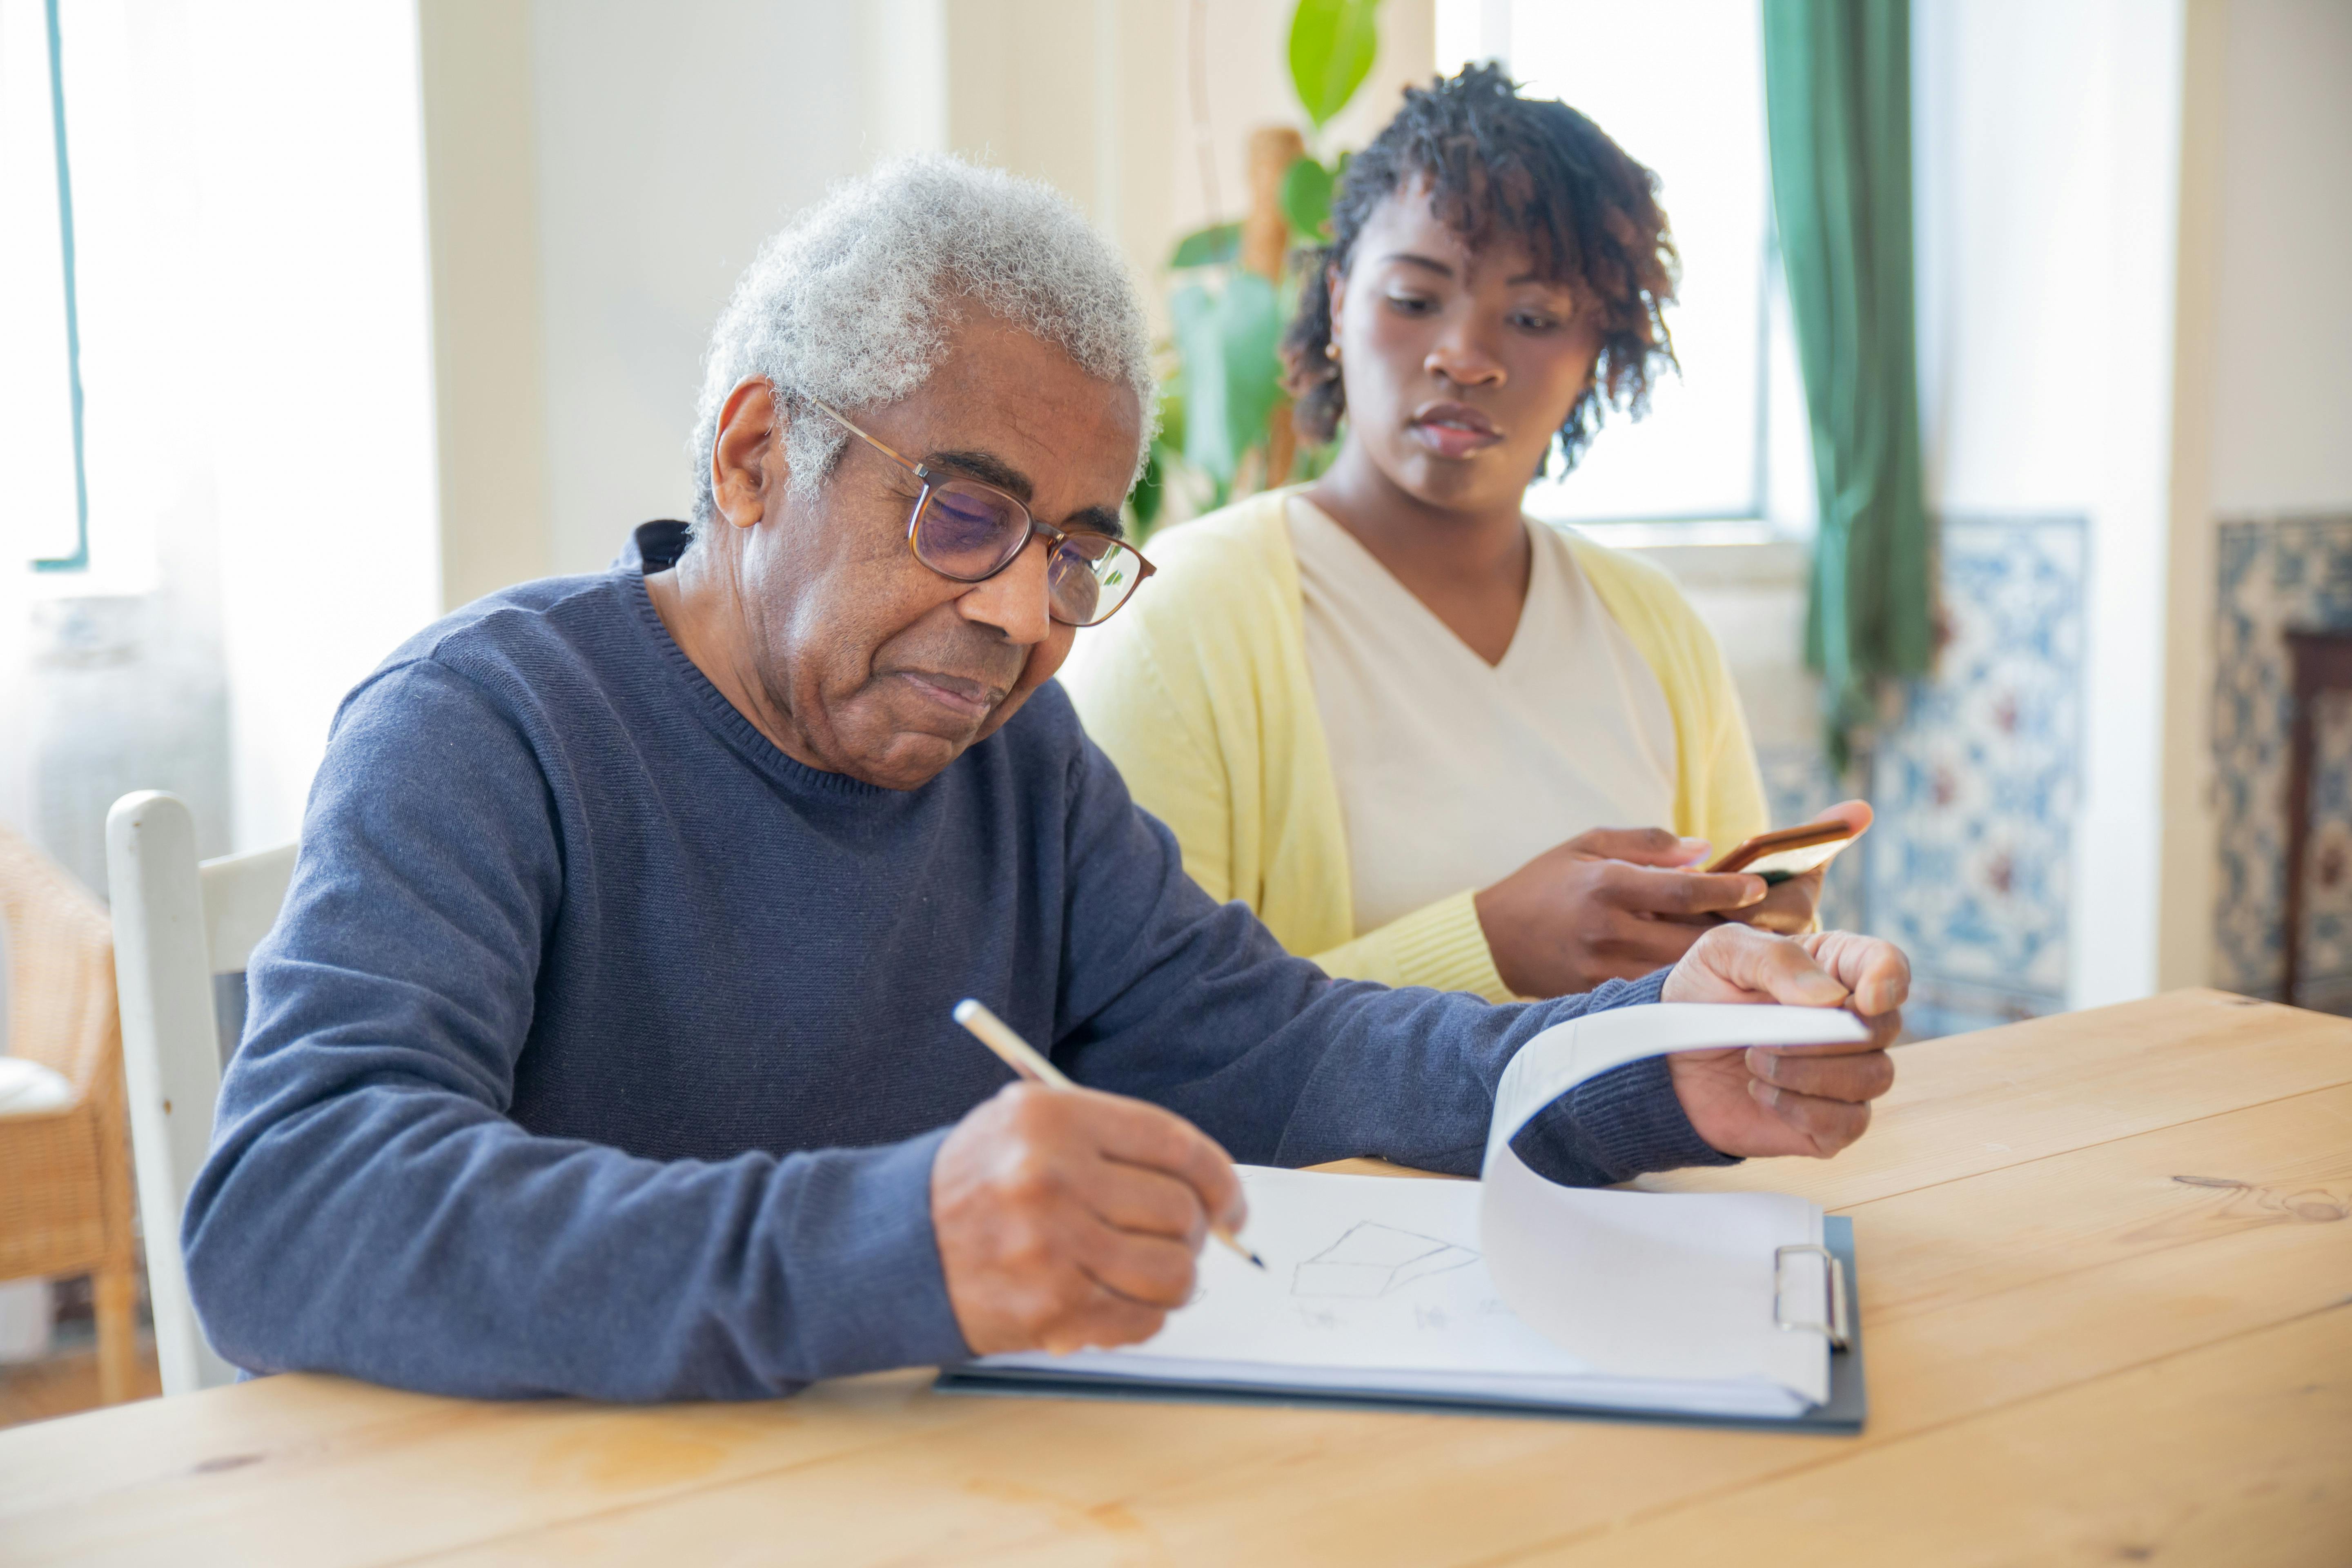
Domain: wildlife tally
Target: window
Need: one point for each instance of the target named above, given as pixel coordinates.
(1680, 86)
(42, 497)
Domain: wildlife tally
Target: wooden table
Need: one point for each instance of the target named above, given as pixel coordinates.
(2105, 1273)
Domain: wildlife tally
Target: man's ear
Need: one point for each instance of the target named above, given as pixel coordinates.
(751, 428)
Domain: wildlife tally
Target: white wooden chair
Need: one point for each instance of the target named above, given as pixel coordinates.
(183, 932)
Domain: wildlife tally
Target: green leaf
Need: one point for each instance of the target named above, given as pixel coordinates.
(1230, 376)
(1171, 413)
(1211, 247)
(1307, 198)
(1150, 493)
(1332, 43)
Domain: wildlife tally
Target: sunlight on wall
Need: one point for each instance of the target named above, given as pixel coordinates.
(320, 396)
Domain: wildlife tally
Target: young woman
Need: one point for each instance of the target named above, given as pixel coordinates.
(1429, 741)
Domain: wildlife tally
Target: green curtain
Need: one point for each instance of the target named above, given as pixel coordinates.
(1837, 80)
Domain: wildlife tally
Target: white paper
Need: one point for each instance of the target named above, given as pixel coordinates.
(1690, 1277)
(1512, 1288)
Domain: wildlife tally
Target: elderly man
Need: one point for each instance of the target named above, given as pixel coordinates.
(603, 1045)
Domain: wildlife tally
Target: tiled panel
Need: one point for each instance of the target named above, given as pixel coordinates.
(2273, 576)
(1976, 784)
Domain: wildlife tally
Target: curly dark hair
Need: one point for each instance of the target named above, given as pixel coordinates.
(1536, 169)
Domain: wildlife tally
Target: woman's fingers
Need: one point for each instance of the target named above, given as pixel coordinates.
(1788, 908)
(1854, 814)
(1678, 895)
(1639, 846)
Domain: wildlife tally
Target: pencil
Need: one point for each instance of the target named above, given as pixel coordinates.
(1033, 1063)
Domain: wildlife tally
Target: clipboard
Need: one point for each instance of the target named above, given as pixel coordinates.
(1842, 1416)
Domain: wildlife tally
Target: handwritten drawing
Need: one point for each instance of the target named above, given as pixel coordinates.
(1372, 1259)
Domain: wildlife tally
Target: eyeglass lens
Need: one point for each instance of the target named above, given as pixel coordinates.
(968, 532)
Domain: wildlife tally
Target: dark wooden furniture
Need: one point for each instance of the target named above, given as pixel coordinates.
(2321, 661)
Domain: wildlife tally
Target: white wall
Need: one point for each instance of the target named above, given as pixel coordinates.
(319, 384)
(2263, 396)
(2282, 389)
(481, 171)
(2048, 147)
(671, 139)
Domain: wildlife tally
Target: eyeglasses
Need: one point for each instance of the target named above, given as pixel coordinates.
(969, 531)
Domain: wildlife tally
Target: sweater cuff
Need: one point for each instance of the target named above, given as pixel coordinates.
(1443, 945)
(1623, 1123)
(867, 1287)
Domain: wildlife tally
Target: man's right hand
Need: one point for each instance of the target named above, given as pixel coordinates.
(1068, 1219)
(1611, 904)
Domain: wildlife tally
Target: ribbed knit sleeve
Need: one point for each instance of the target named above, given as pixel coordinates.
(1441, 946)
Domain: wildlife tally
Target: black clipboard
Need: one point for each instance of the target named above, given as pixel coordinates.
(1842, 1416)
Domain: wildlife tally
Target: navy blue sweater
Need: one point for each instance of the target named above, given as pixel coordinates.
(604, 1049)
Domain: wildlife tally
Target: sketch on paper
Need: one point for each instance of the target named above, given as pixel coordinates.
(1372, 1259)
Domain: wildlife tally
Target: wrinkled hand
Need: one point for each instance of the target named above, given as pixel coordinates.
(1798, 1099)
(1790, 906)
(1614, 904)
(1068, 1219)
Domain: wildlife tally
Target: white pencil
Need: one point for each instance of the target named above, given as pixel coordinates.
(1033, 1065)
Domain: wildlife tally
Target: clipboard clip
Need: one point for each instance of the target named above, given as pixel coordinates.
(1838, 1330)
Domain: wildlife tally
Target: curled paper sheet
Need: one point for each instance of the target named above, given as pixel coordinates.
(1689, 1281)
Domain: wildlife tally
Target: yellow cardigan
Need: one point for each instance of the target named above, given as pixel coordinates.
(1198, 691)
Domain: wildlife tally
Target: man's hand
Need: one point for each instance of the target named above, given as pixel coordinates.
(1611, 904)
(1801, 1099)
(1789, 907)
(1068, 1219)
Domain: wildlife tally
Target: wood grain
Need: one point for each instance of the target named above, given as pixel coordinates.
(1980, 1103)
(2074, 1352)
(2142, 1268)
(2237, 1455)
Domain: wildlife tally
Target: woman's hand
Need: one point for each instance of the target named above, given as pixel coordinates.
(1798, 1099)
(1611, 904)
(1790, 906)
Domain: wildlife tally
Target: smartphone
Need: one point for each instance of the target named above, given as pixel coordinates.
(1786, 852)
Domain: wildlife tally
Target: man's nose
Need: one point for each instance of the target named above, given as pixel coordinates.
(1462, 355)
(1013, 601)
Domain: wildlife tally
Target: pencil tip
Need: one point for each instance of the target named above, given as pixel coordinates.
(1254, 1258)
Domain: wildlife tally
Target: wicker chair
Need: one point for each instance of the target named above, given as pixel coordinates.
(65, 1174)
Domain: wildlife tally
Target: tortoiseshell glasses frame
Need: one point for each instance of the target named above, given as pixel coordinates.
(968, 532)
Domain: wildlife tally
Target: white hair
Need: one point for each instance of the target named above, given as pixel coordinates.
(852, 301)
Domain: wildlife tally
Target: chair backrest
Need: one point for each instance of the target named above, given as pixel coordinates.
(179, 928)
(65, 1186)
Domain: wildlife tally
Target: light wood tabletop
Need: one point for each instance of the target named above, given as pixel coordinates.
(2106, 1283)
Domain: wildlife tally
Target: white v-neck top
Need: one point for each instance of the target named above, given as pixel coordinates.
(1454, 772)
